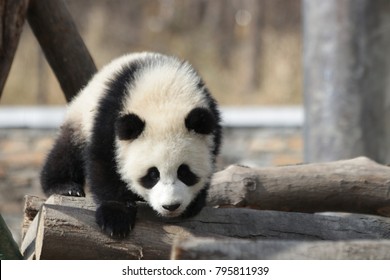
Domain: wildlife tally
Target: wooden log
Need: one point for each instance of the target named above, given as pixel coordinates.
(12, 17)
(70, 232)
(357, 185)
(236, 249)
(62, 45)
(32, 204)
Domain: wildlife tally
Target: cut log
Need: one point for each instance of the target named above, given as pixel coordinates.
(70, 232)
(62, 45)
(236, 249)
(66, 228)
(358, 185)
(32, 204)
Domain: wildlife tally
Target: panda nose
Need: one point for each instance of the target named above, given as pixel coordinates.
(171, 207)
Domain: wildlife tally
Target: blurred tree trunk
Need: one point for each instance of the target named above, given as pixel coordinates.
(346, 79)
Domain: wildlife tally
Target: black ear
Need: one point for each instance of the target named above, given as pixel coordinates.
(200, 120)
(129, 127)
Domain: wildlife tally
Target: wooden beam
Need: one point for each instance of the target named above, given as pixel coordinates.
(62, 45)
(12, 17)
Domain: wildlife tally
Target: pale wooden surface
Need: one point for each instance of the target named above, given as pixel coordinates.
(67, 230)
(357, 185)
(237, 249)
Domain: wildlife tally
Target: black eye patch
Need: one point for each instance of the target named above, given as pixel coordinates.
(185, 175)
(129, 127)
(200, 120)
(151, 178)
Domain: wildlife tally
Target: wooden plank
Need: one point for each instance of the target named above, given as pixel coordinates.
(12, 17)
(62, 45)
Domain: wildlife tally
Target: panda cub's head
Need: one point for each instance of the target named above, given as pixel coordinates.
(167, 136)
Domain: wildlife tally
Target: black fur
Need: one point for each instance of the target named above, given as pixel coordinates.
(110, 191)
(151, 178)
(115, 218)
(217, 132)
(129, 127)
(200, 120)
(63, 171)
(185, 175)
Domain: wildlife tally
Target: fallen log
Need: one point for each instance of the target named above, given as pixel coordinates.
(238, 249)
(357, 185)
(67, 230)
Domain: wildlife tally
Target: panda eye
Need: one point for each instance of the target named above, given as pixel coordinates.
(151, 178)
(185, 175)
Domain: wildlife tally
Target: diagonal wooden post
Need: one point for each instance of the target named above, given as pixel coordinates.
(12, 17)
(63, 46)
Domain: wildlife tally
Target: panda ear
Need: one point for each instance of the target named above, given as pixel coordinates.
(129, 127)
(200, 120)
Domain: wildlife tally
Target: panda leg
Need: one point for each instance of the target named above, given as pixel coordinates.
(117, 209)
(63, 171)
(116, 219)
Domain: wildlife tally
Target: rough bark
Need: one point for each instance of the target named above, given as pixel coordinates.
(65, 227)
(67, 230)
(62, 45)
(236, 249)
(12, 17)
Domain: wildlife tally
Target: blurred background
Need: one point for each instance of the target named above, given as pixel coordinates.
(247, 51)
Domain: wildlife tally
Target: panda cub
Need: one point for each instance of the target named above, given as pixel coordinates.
(145, 128)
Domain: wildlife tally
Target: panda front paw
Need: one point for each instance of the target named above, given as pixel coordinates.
(66, 189)
(116, 219)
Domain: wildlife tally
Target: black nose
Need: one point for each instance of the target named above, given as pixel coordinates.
(171, 207)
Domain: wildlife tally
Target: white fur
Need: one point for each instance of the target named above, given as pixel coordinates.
(81, 111)
(162, 94)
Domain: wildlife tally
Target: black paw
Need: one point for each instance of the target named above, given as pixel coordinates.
(66, 189)
(116, 219)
